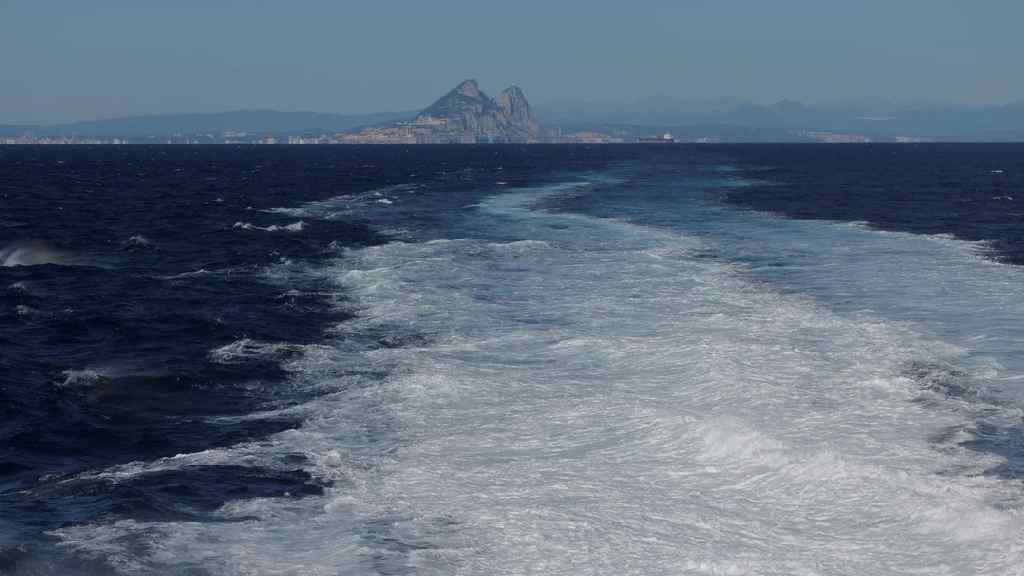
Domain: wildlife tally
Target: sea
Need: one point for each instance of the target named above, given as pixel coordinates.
(504, 359)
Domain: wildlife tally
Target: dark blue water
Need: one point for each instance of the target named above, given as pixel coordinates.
(973, 192)
(123, 270)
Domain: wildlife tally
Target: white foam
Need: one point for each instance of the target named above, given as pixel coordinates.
(192, 274)
(82, 378)
(239, 455)
(344, 205)
(138, 241)
(596, 401)
(246, 349)
(93, 375)
(32, 253)
(947, 287)
(293, 227)
(26, 311)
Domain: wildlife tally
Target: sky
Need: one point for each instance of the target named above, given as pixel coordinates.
(65, 60)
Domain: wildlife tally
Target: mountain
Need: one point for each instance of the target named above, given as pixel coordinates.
(467, 115)
(726, 119)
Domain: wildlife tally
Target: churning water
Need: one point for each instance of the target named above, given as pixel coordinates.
(533, 361)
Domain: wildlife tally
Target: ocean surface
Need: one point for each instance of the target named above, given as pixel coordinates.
(763, 359)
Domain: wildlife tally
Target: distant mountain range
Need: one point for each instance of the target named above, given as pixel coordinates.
(789, 120)
(466, 114)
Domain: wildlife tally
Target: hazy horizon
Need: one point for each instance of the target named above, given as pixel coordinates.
(68, 62)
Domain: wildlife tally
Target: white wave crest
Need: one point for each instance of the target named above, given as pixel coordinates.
(246, 349)
(84, 378)
(33, 253)
(293, 227)
(347, 204)
(192, 274)
(137, 242)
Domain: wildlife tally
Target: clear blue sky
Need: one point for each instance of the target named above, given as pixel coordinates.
(79, 59)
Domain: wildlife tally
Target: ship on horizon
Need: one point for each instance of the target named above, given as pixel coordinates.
(665, 138)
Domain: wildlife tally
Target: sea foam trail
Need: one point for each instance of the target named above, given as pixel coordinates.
(948, 287)
(600, 400)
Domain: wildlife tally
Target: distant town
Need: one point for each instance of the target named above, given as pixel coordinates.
(409, 135)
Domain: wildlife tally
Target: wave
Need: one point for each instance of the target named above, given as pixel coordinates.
(293, 227)
(24, 311)
(137, 242)
(94, 375)
(192, 274)
(347, 204)
(34, 253)
(85, 378)
(221, 272)
(246, 349)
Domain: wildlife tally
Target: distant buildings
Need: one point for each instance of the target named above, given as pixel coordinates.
(835, 137)
(57, 140)
(587, 137)
(433, 131)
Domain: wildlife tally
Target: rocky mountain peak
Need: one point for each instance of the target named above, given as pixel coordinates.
(469, 115)
(511, 97)
(469, 88)
(465, 96)
(515, 107)
(514, 91)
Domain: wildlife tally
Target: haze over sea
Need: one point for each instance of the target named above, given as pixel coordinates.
(511, 360)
